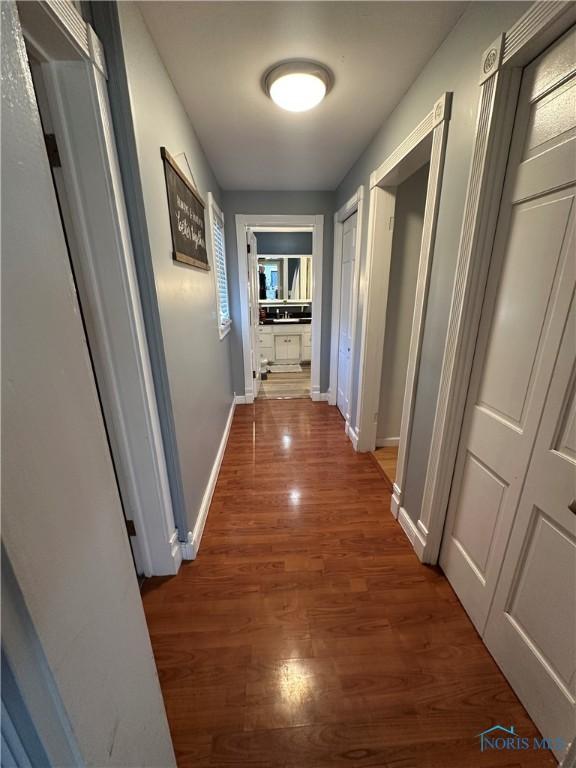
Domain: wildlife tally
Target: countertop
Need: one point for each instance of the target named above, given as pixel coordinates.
(287, 321)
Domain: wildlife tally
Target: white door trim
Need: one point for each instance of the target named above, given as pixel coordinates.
(500, 74)
(354, 205)
(281, 222)
(426, 142)
(75, 77)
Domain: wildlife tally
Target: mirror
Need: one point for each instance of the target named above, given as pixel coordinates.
(285, 278)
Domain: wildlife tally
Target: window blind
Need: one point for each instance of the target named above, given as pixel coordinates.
(219, 260)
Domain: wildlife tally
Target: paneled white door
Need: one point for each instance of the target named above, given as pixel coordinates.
(346, 304)
(531, 629)
(254, 307)
(511, 487)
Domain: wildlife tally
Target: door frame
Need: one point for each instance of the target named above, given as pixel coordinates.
(426, 143)
(74, 75)
(355, 205)
(279, 222)
(500, 75)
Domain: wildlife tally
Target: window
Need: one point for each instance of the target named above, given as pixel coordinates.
(216, 227)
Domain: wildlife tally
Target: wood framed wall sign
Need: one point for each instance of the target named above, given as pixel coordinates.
(187, 221)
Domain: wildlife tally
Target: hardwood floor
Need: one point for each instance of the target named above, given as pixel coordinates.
(387, 459)
(307, 634)
(286, 385)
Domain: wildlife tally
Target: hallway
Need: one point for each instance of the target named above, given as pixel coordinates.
(307, 633)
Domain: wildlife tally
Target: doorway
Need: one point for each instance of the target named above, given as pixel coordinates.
(406, 245)
(283, 261)
(66, 220)
(280, 276)
(73, 104)
(425, 145)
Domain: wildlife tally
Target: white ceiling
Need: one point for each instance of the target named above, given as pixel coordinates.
(217, 52)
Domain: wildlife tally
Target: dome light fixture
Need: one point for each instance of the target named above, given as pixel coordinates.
(298, 85)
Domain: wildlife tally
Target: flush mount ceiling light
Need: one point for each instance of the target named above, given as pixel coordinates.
(298, 85)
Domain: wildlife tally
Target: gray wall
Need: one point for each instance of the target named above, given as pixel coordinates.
(62, 523)
(454, 67)
(320, 203)
(408, 223)
(198, 362)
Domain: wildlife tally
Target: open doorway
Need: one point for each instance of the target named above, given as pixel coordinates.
(406, 244)
(284, 338)
(404, 201)
(280, 273)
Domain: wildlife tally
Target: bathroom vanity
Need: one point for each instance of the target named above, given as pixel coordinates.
(285, 305)
(288, 341)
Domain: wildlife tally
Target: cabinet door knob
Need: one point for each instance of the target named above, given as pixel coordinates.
(572, 506)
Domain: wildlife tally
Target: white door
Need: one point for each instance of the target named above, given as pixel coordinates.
(531, 629)
(346, 302)
(524, 319)
(254, 307)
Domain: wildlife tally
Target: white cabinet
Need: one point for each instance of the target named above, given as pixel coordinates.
(306, 344)
(287, 347)
(285, 342)
(265, 344)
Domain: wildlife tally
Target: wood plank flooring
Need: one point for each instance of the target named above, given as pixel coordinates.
(307, 634)
(286, 385)
(387, 459)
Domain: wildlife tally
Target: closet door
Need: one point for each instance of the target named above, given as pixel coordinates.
(524, 314)
(531, 629)
(346, 303)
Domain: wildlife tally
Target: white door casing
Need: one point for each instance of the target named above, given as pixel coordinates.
(281, 222)
(529, 292)
(426, 143)
(74, 75)
(349, 232)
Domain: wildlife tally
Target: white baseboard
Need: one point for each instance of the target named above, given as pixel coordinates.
(175, 553)
(396, 500)
(239, 399)
(353, 435)
(192, 544)
(411, 530)
(387, 442)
